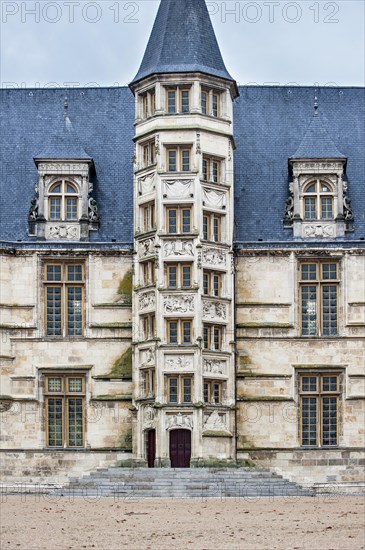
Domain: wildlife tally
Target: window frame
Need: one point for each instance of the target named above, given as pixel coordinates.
(317, 197)
(178, 90)
(179, 266)
(180, 388)
(179, 219)
(148, 383)
(64, 284)
(210, 383)
(209, 229)
(179, 151)
(320, 282)
(210, 331)
(148, 216)
(148, 103)
(208, 174)
(148, 153)
(148, 321)
(148, 271)
(211, 109)
(65, 395)
(63, 197)
(180, 334)
(211, 283)
(320, 395)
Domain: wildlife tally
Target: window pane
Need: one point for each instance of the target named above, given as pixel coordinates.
(74, 272)
(216, 229)
(54, 273)
(309, 421)
(204, 102)
(172, 277)
(187, 332)
(206, 392)
(205, 228)
(215, 105)
(311, 188)
(216, 282)
(326, 208)
(310, 211)
(186, 276)
(329, 383)
(172, 161)
(55, 208)
(173, 390)
(216, 393)
(172, 221)
(206, 337)
(185, 101)
(205, 170)
(329, 309)
(75, 422)
(217, 338)
(309, 272)
(74, 311)
(215, 171)
(55, 418)
(325, 188)
(186, 220)
(171, 95)
(329, 271)
(185, 161)
(309, 383)
(75, 385)
(53, 314)
(54, 384)
(205, 283)
(309, 310)
(70, 189)
(187, 390)
(173, 332)
(329, 421)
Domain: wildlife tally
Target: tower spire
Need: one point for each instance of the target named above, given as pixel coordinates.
(183, 41)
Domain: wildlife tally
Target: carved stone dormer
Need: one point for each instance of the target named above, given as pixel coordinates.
(318, 205)
(63, 208)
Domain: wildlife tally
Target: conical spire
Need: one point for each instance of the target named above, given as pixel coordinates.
(64, 143)
(317, 143)
(182, 41)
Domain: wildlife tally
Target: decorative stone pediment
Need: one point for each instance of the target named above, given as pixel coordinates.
(179, 421)
(70, 232)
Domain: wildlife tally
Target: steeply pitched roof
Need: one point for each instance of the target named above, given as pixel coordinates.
(269, 122)
(64, 143)
(316, 142)
(182, 40)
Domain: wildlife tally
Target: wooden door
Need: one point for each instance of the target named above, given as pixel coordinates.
(151, 448)
(180, 448)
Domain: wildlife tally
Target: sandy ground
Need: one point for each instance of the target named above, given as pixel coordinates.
(317, 523)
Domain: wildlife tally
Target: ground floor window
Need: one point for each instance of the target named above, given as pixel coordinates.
(319, 409)
(65, 402)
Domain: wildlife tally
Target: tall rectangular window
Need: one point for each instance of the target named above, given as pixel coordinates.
(65, 402)
(178, 100)
(212, 283)
(212, 390)
(179, 331)
(185, 101)
(211, 169)
(171, 101)
(178, 275)
(319, 409)
(179, 389)
(64, 299)
(212, 337)
(179, 219)
(178, 158)
(319, 287)
(212, 227)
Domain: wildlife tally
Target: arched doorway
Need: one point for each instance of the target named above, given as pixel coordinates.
(151, 448)
(180, 448)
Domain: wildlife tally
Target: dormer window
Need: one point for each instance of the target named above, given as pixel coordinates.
(318, 201)
(63, 202)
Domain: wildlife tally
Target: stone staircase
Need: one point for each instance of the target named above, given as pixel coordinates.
(169, 483)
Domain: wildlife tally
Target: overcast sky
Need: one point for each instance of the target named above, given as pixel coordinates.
(55, 43)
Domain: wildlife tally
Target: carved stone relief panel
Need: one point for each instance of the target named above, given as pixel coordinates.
(147, 300)
(325, 231)
(179, 362)
(178, 248)
(146, 248)
(148, 356)
(214, 256)
(149, 417)
(214, 366)
(146, 184)
(179, 304)
(215, 421)
(214, 310)
(62, 232)
(179, 421)
(178, 189)
(216, 199)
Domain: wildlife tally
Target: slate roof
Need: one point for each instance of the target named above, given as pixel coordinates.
(317, 143)
(269, 124)
(64, 143)
(182, 40)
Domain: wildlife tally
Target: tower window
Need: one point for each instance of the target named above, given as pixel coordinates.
(179, 389)
(212, 337)
(212, 391)
(211, 169)
(179, 331)
(177, 100)
(179, 275)
(148, 103)
(178, 159)
(149, 153)
(148, 217)
(149, 326)
(212, 227)
(212, 283)
(179, 219)
(211, 102)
